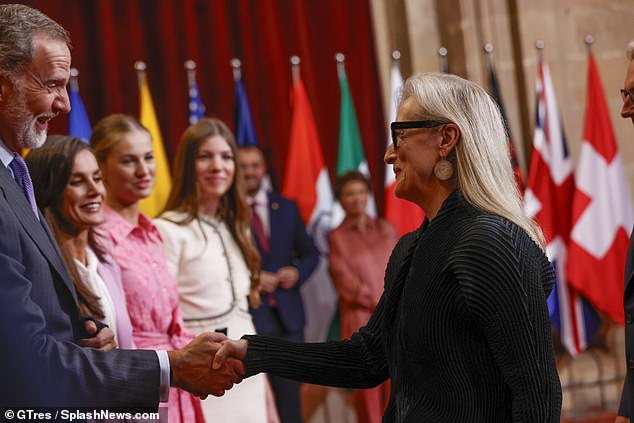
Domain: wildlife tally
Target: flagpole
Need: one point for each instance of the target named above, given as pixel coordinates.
(589, 40)
(539, 45)
(236, 66)
(488, 51)
(396, 57)
(442, 58)
(140, 68)
(295, 61)
(74, 82)
(396, 63)
(190, 66)
(341, 64)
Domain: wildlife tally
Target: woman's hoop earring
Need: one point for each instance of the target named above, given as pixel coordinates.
(443, 169)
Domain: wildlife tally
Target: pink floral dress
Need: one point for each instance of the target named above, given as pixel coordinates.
(152, 299)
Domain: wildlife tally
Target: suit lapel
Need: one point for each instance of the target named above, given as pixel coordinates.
(37, 229)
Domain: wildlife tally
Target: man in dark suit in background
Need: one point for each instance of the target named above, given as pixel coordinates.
(626, 410)
(40, 361)
(288, 258)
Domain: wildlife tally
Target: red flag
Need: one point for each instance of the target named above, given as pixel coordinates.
(405, 216)
(602, 214)
(306, 178)
(306, 182)
(547, 199)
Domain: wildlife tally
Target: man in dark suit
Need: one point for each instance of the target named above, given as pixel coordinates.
(288, 258)
(41, 363)
(626, 410)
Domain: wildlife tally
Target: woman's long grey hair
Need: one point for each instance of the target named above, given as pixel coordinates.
(484, 172)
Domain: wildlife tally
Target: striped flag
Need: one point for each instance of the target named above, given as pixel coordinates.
(548, 199)
(306, 178)
(154, 204)
(601, 210)
(350, 155)
(405, 216)
(306, 182)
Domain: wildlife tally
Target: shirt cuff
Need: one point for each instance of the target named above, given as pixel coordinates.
(164, 363)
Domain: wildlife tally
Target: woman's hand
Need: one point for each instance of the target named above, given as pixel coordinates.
(103, 340)
(230, 349)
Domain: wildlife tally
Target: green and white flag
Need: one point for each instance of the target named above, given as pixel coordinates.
(350, 155)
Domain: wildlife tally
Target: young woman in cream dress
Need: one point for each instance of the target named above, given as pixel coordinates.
(205, 230)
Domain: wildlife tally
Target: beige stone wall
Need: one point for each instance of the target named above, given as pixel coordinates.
(513, 26)
(563, 25)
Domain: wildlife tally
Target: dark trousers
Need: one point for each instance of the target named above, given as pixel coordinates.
(286, 391)
(287, 399)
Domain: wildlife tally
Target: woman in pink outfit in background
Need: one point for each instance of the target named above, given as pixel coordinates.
(123, 148)
(359, 249)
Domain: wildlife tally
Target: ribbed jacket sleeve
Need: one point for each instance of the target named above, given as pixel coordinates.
(356, 363)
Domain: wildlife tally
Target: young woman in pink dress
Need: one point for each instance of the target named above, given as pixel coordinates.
(123, 148)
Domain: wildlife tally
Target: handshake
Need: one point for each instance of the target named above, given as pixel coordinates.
(210, 364)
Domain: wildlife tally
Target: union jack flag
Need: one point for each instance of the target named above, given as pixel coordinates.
(548, 199)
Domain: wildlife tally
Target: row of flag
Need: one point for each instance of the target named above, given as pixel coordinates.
(350, 156)
(586, 218)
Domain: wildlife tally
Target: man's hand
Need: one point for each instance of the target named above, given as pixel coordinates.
(268, 282)
(192, 371)
(230, 350)
(287, 276)
(621, 419)
(103, 340)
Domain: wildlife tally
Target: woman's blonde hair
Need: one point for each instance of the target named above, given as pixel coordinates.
(482, 158)
(108, 132)
(233, 208)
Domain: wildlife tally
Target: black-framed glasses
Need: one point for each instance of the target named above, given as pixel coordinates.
(625, 94)
(395, 127)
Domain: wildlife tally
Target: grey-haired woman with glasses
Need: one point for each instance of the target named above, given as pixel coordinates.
(462, 329)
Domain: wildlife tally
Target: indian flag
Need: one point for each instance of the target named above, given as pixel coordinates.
(306, 181)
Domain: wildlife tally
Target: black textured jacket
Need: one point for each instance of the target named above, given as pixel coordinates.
(462, 328)
(627, 398)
